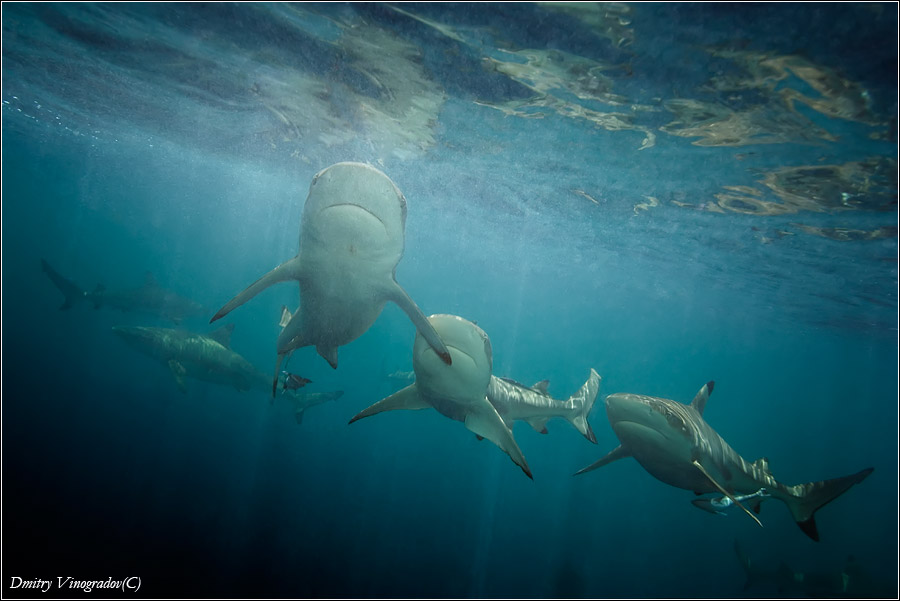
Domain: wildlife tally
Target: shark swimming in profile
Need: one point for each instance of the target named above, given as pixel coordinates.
(351, 240)
(458, 390)
(150, 298)
(206, 357)
(675, 445)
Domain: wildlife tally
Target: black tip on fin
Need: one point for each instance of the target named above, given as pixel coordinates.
(709, 386)
(809, 528)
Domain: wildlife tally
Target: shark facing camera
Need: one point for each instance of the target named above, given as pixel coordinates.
(351, 240)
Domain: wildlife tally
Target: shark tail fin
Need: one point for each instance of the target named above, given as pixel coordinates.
(805, 499)
(289, 270)
(583, 400)
(750, 573)
(72, 293)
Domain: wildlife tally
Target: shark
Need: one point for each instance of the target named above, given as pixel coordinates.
(457, 390)
(850, 580)
(514, 401)
(209, 357)
(150, 298)
(206, 357)
(673, 442)
(351, 240)
(720, 504)
(304, 400)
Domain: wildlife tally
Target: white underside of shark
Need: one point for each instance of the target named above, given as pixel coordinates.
(351, 240)
(458, 390)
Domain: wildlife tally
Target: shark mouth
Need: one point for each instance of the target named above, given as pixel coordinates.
(634, 433)
(352, 206)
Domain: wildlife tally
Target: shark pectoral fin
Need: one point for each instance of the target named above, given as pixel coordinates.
(725, 492)
(281, 357)
(617, 453)
(539, 424)
(299, 416)
(402, 299)
(484, 421)
(178, 372)
(289, 270)
(407, 398)
(329, 354)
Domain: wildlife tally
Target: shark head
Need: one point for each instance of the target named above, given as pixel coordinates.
(355, 208)
(467, 378)
(653, 429)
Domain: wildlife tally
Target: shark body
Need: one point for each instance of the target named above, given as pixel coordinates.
(675, 445)
(149, 299)
(458, 390)
(514, 401)
(351, 240)
(206, 357)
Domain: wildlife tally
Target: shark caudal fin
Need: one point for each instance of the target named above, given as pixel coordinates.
(72, 293)
(754, 575)
(289, 270)
(804, 500)
(583, 400)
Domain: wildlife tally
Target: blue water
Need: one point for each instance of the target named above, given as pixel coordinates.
(180, 139)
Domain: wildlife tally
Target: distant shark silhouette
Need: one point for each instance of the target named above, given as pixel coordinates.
(852, 580)
(149, 299)
(351, 240)
(208, 357)
(304, 400)
(675, 445)
(458, 390)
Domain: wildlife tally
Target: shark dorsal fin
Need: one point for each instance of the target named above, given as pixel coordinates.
(222, 335)
(699, 402)
(541, 386)
(285, 316)
(725, 492)
(762, 464)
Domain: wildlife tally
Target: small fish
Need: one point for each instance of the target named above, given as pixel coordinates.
(293, 381)
(721, 504)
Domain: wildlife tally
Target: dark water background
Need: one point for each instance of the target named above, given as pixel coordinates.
(171, 139)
